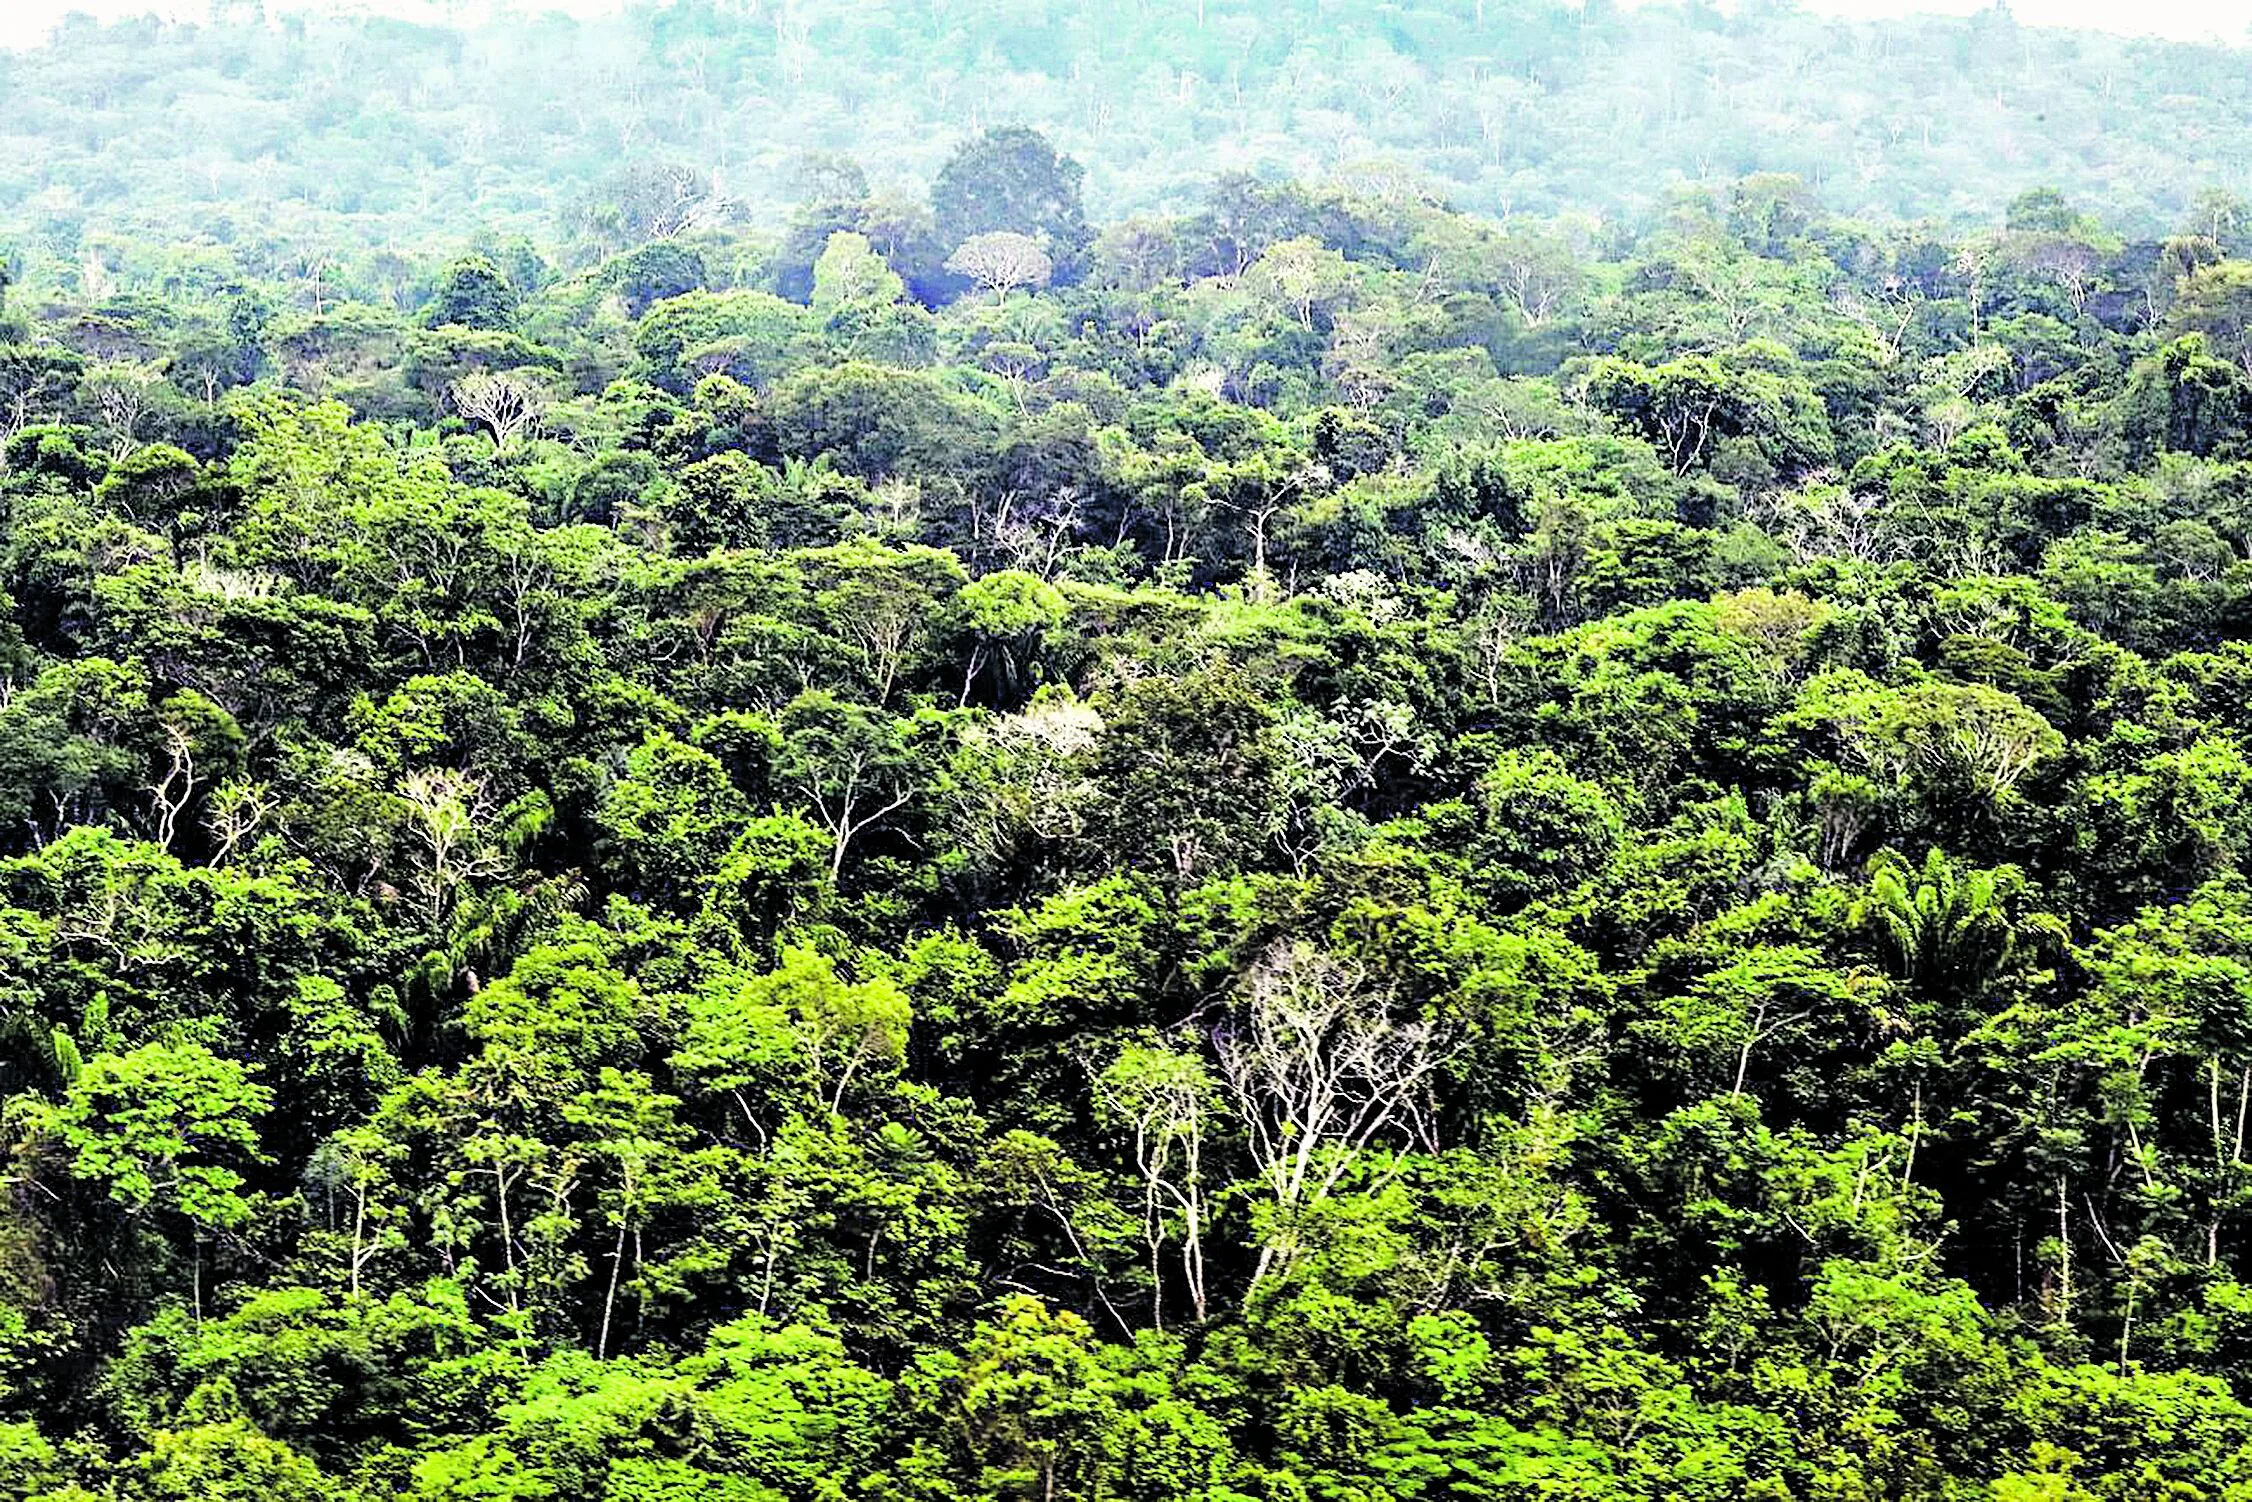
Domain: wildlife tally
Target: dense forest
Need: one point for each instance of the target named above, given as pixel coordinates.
(943, 842)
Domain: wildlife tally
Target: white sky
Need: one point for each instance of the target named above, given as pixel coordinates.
(2193, 19)
(23, 22)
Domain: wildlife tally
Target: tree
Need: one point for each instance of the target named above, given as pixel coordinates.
(1164, 1100)
(2182, 400)
(746, 335)
(1320, 1076)
(223, 1461)
(1950, 929)
(126, 396)
(2216, 302)
(250, 317)
(848, 272)
(852, 768)
(1542, 830)
(2042, 210)
(881, 424)
(508, 405)
(159, 1128)
(33, 378)
(672, 816)
(1012, 179)
(648, 1170)
(452, 837)
(883, 604)
(158, 488)
(1008, 614)
(1302, 274)
(649, 200)
(474, 294)
(165, 1128)
(1538, 271)
(844, 1027)
(649, 274)
(1024, 1411)
(1190, 776)
(1691, 407)
(1775, 1009)
(1002, 261)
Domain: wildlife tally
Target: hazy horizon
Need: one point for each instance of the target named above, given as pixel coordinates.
(27, 22)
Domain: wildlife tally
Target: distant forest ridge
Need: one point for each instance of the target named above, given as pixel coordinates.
(270, 139)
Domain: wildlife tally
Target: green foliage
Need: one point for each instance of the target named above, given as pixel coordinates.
(474, 294)
(1319, 848)
(160, 1128)
(1012, 180)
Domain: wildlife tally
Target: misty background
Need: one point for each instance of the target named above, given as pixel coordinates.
(338, 136)
(27, 22)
